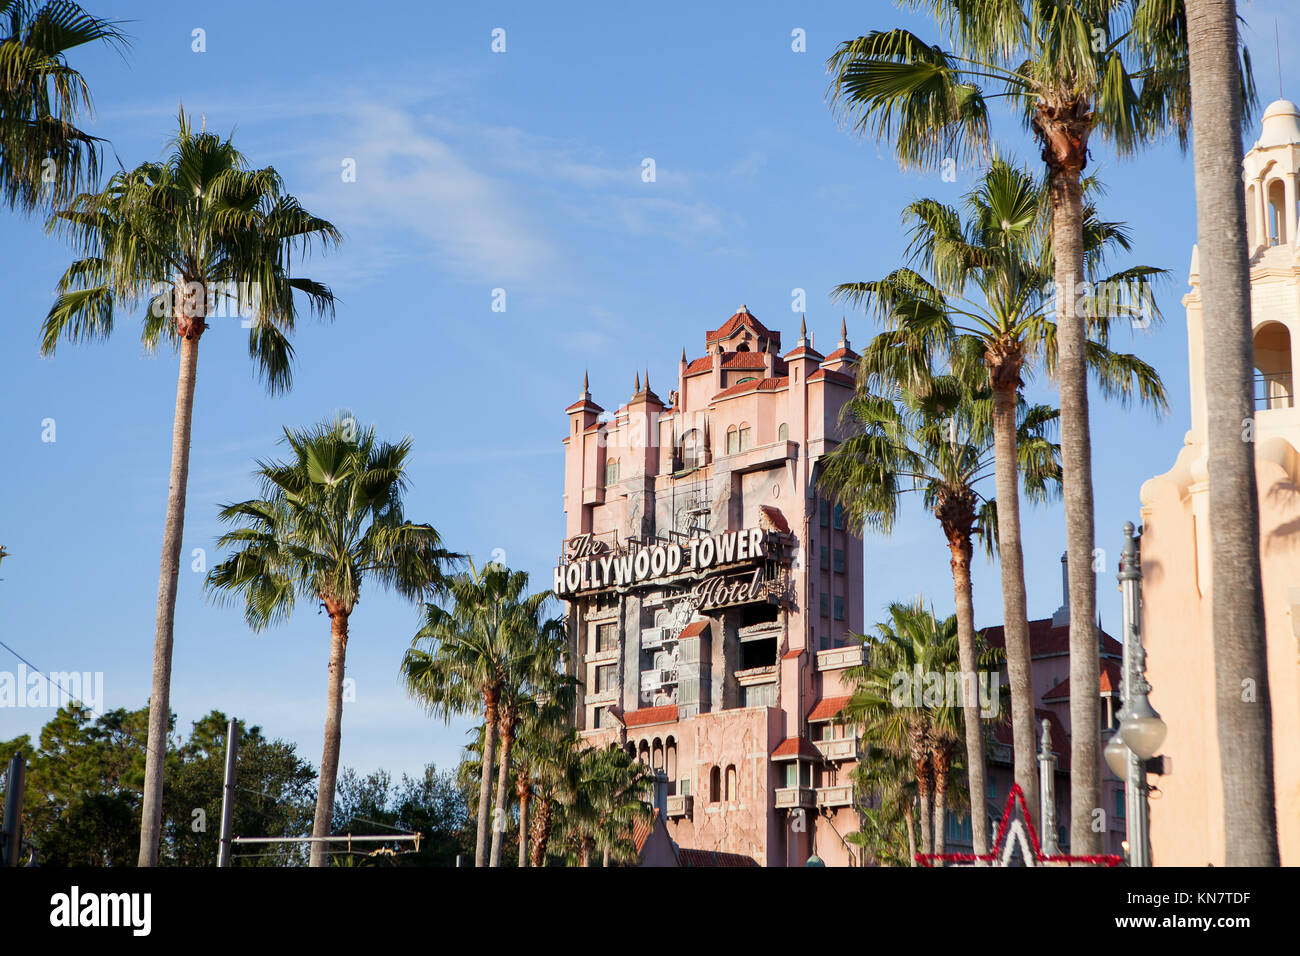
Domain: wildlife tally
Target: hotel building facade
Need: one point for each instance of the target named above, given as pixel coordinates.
(711, 592)
(1177, 617)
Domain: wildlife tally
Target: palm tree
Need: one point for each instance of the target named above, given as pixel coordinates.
(986, 279)
(605, 800)
(888, 832)
(330, 518)
(907, 722)
(44, 156)
(551, 756)
(476, 649)
(530, 677)
(938, 441)
(1069, 68)
(1240, 649)
(186, 234)
(543, 728)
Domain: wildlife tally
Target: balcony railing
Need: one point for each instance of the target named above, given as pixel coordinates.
(841, 749)
(681, 805)
(1273, 390)
(840, 796)
(837, 658)
(790, 798)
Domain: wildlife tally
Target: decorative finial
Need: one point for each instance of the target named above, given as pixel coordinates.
(803, 326)
(647, 380)
(586, 386)
(683, 355)
(844, 333)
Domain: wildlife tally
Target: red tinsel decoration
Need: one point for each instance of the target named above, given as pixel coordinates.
(1103, 859)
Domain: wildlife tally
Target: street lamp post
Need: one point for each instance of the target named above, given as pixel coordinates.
(1141, 731)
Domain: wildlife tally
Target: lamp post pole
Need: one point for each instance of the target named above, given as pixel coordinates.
(1047, 792)
(1141, 731)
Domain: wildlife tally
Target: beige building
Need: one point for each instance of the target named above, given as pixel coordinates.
(1187, 812)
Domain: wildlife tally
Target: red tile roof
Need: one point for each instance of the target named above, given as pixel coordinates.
(758, 384)
(804, 352)
(713, 858)
(650, 715)
(584, 403)
(1108, 684)
(796, 747)
(704, 364)
(694, 629)
(838, 378)
(792, 654)
(776, 518)
(642, 829)
(1047, 641)
(846, 354)
(743, 360)
(736, 323)
(828, 709)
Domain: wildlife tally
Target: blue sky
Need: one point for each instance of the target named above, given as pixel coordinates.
(477, 171)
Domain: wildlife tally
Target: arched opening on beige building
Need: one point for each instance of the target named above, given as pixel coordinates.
(1273, 387)
(733, 793)
(1276, 199)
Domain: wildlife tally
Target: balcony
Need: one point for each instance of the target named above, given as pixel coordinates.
(845, 748)
(656, 678)
(607, 696)
(796, 798)
(680, 806)
(838, 658)
(838, 796)
(653, 638)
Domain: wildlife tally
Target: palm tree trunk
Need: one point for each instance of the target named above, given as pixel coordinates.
(541, 835)
(329, 761)
(975, 767)
(503, 777)
(1076, 475)
(485, 778)
(924, 777)
(1015, 604)
(524, 792)
(165, 618)
(911, 835)
(1245, 728)
(941, 764)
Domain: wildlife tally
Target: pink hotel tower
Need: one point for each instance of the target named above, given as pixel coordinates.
(711, 592)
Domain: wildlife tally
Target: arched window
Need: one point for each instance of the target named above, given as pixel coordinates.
(1273, 367)
(743, 437)
(1276, 197)
(657, 755)
(715, 785)
(670, 758)
(733, 440)
(611, 471)
(783, 433)
(747, 378)
(732, 793)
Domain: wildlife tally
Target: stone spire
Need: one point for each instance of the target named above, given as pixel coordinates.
(586, 388)
(844, 333)
(636, 389)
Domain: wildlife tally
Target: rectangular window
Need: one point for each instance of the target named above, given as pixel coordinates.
(825, 513)
(598, 718)
(1119, 804)
(825, 605)
(733, 443)
(606, 678)
(839, 518)
(792, 774)
(839, 560)
(605, 637)
(611, 473)
(826, 558)
(839, 608)
(684, 786)
(744, 439)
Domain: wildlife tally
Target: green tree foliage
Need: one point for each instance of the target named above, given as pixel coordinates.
(433, 805)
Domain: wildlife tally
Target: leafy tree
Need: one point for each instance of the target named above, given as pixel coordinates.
(432, 805)
(185, 235)
(44, 156)
(331, 518)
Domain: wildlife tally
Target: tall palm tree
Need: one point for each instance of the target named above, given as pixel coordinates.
(1069, 69)
(888, 834)
(531, 676)
(551, 757)
(185, 234)
(985, 279)
(330, 518)
(1240, 650)
(473, 652)
(938, 441)
(44, 157)
(911, 643)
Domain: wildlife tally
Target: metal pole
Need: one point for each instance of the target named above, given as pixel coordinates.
(15, 782)
(1135, 784)
(228, 794)
(1047, 792)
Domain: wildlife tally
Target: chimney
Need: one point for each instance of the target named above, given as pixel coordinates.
(1062, 616)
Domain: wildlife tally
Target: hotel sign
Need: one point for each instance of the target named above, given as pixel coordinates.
(588, 565)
